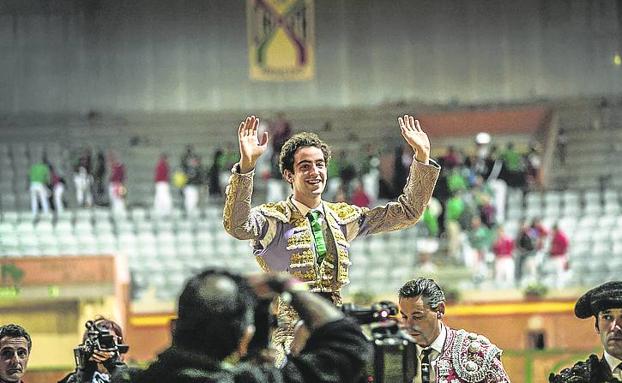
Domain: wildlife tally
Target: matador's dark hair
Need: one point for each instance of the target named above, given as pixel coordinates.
(427, 288)
(300, 140)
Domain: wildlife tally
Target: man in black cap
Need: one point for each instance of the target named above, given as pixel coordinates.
(605, 304)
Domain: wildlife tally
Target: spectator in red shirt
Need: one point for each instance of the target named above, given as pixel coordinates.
(162, 202)
(359, 196)
(558, 254)
(540, 232)
(116, 188)
(503, 249)
(451, 159)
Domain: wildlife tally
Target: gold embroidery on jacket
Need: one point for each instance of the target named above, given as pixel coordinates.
(262, 263)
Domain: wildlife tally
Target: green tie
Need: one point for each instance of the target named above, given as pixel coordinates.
(320, 245)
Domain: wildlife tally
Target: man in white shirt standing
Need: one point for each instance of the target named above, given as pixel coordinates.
(604, 303)
(444, 354)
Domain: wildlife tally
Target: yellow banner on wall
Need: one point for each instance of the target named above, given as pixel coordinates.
(281, 44)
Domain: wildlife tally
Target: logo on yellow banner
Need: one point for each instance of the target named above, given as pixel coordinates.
(281, 40)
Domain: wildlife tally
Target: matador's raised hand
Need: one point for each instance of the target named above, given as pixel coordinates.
(251, 148)
(416, 137)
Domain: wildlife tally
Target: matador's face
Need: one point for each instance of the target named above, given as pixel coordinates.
(610, 331)
(309, 177)
(419, 320)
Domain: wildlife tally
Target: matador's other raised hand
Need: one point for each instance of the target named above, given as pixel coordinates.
(251, 148)
(416, 137)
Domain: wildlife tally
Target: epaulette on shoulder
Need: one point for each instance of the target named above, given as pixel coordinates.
(279, 210)
(581, 372)
(473, 356)
(345, 213)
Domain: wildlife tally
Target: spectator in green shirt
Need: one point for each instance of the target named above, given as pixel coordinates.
(39, 176)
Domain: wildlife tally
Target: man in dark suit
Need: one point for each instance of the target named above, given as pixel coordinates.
(604, 303)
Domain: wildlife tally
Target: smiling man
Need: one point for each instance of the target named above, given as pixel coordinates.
(444, 354)
(15, 345)
(304, 235)
(604, 303)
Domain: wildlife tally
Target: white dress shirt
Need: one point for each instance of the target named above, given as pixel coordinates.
(304, 209)
(614, 365)
(437, 348)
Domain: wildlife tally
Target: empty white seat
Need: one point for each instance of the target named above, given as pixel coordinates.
(44, 227)
(533, 200)
(138, 214)
(83, 215)
(6, 229)
(24, 228)
(144, 226)
(101, 215)
(83, 227)
(591, 197)
(10, 216)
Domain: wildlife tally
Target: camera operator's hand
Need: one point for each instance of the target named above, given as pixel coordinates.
(271, 285)
(101, 356)
(313, 309)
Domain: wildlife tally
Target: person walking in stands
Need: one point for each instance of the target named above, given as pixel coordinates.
(558, 254)
(503, 248)
(98, 177)
(192, 189)
(116, 187)
(84, 183)
(304, 235)
(83, 179)
(39, 176)
(162, 201)
(58, 189)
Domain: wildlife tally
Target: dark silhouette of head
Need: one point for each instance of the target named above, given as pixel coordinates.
(215, 311)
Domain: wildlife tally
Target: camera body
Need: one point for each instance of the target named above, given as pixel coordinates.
(381, 318)
(97, 339)
(392, 346)
(377, 312)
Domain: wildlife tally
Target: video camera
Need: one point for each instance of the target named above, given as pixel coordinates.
(377, 312)
(381, 317)
(392, 346)
(97, 339)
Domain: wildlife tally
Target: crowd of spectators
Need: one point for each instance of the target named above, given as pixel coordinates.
(468, 212)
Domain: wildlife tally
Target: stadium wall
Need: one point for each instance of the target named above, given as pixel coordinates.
(191, 55)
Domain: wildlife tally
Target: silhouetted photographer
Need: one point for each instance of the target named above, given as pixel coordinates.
(216, 325)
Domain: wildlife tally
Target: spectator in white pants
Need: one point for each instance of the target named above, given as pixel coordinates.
(58, 188)
(558, 255)
(116, 187)
(39, 176)
(195, 175)
(84, 184)
(162, 201)
(116, 193)
(503, 249)
(191, 198)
